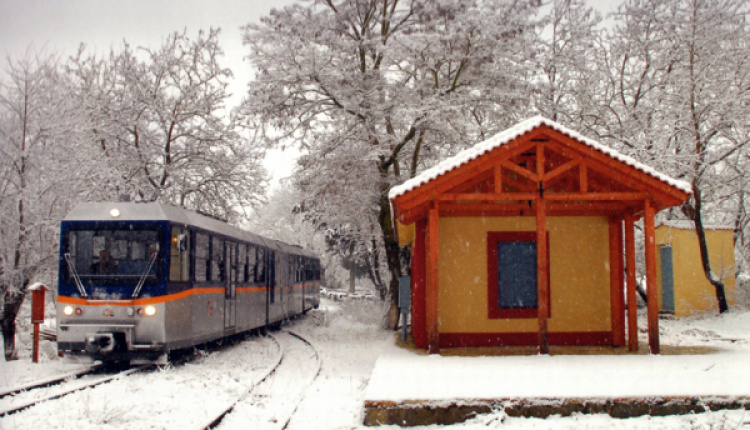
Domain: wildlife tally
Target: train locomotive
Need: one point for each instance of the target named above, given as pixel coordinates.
(138, 280)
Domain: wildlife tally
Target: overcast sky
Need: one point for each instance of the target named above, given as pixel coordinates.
(60, 26)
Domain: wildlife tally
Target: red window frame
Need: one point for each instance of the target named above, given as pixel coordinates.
(493, 310)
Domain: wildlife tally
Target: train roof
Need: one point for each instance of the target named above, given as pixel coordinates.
(154, 211)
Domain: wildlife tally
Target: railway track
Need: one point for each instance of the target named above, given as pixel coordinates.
(269, 374)
(44, 394)
(271, 400)
(48, 382)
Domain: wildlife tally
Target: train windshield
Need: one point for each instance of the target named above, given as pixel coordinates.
(123, 255)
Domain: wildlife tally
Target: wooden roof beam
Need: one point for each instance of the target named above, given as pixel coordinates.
(549, 176)
(610, 196)
(520, 170)
(500, 197)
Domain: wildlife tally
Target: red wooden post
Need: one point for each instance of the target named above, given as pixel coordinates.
(653, 294)
(418, 281)
(433, 284)
(617, 304)
(541, 255)
(632, 299)
(621, 282)
(37, 316)
(542, 277)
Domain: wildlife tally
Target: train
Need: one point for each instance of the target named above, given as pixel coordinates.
(138, 280)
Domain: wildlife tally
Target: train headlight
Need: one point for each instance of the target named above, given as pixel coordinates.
(68, 310)
(148, 310)
(114, 212)
(79, 311)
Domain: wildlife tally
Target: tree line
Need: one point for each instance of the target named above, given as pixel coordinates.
(372, 92)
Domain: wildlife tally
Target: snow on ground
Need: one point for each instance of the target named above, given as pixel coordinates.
(350, 340)
(402, 375)
(172, 397)
(347, 334)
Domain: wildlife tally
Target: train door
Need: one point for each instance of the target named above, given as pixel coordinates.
(230, 292)
(270, 264)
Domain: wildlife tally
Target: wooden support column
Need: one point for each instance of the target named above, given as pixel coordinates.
(433, 228)
(584, 178)
(498, 179)
(542, 261)
(418, 285)
(630, 268)
(617, 302)
(653, 294)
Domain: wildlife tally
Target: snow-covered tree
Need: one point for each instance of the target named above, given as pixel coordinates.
(42, 166)
(375, 90)
(164, 128)
(679, 98)
(568, 73)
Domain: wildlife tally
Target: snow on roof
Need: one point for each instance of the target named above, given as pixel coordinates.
(517, 130)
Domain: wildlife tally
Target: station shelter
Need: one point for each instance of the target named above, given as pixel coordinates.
(527, 238)
(684, 289)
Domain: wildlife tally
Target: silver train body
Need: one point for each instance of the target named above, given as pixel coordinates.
(138, 280)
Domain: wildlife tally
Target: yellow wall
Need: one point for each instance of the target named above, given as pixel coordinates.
(405, 233)
(579, 274)
(693, 293)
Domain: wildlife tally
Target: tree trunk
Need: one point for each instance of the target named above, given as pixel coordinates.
(700, 231)
(351, 279)
(12, 304)
(391, 251)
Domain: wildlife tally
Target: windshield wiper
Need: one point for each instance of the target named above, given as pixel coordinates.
(73, 272)
(143, 277)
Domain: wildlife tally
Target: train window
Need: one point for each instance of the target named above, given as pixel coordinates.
(251, 263)
(310, 269)
(110, 254)
(179, 261)
(217, 259)
(260, 268)
(300, 269)
(231, 269)
(241, 264)
(201, 257)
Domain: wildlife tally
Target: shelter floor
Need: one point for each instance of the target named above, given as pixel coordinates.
(410, 387)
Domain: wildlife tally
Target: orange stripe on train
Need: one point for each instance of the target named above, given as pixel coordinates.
(166, 298)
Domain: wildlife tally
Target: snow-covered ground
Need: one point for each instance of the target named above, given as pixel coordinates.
(347, 335)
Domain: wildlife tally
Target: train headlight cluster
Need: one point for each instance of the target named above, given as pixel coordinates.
(69, 310)
(148, 311)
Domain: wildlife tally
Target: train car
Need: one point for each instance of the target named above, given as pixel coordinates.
(138, 280)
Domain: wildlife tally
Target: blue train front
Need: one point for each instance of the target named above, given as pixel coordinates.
(138, 280)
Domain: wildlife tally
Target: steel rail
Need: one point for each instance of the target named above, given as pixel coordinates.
(310, 382)
(269, 371)
(47, 382)
(28, 404)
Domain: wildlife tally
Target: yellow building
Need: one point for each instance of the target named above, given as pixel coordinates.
(683, 285)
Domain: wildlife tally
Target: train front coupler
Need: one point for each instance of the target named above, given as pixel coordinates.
(102, 344)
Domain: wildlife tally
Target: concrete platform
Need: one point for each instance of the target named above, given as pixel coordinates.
(409, 388)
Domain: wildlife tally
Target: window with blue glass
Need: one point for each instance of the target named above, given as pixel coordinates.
(512, 274)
